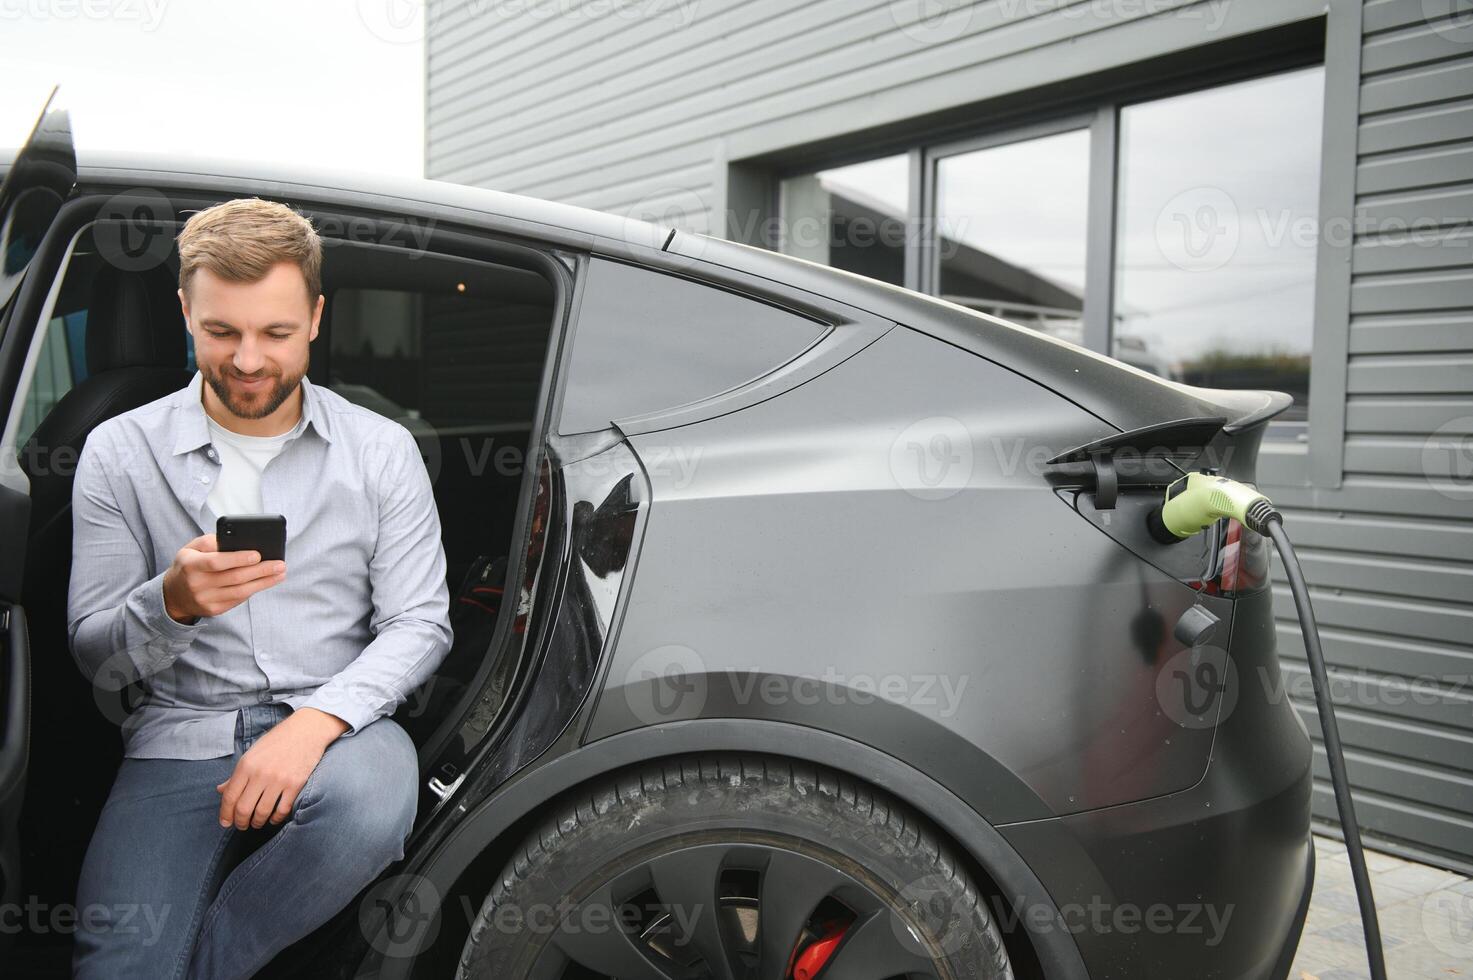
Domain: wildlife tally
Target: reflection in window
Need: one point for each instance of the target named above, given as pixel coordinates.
(851, 218)
(1011, 231)
(464, 361)
(1215, 253)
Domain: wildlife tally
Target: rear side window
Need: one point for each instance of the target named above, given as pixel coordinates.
(646, 342)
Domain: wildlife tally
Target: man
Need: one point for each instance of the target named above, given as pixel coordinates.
(262, 785)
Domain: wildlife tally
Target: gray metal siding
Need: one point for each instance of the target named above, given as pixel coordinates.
(642, 113)
(1390, 552)
(626, 110)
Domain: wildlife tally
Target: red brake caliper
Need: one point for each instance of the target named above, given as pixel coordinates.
(816, 955)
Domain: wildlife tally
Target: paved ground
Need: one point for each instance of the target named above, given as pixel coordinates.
(1426, 917)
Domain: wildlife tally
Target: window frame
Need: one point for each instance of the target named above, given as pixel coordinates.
(1294, 453)
(929, 261)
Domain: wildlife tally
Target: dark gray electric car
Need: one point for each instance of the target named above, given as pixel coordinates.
(804, 626)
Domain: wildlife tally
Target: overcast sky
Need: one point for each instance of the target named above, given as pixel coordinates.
(336, 83)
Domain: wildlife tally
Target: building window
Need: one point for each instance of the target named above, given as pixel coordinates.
(1211, 225)
(853, 218)
(1011, 223)
(1215, 236)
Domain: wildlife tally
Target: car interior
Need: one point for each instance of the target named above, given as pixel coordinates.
(454, 348)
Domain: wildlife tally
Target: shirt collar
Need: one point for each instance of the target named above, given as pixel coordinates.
(191, 432)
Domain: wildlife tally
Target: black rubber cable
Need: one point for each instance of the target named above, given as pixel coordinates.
(1369, 923)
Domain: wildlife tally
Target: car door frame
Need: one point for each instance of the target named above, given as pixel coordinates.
(33, 193)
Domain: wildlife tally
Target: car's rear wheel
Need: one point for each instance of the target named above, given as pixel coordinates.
(734, 868)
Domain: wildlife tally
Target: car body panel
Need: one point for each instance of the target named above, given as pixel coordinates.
(798, 566)
(1230, 858)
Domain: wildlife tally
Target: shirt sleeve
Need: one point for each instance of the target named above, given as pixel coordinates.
(117, 626)
(411, 600)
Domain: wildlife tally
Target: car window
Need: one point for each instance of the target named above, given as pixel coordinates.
(463, 362)
(61, 366)
(455, 351)
(646, 342)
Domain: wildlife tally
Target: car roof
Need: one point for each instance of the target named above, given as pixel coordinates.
(100, 169)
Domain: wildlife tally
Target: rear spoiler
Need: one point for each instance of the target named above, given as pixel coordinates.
(1157, 455)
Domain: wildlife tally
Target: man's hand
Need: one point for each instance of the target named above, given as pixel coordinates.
(205, 581)
(267, 779)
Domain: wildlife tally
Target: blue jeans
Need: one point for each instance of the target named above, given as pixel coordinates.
(167, 893)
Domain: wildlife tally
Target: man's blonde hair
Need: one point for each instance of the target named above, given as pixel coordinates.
(241, 240)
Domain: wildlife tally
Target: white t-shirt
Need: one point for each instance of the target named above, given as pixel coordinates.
(242, 460)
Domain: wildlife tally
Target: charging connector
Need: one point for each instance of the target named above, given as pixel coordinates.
(1199, 500)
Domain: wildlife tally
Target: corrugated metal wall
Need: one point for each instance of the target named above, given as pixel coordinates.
(628, 106)
(1391, 551)
(615, 103)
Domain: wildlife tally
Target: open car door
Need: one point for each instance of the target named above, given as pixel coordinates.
(35, 185)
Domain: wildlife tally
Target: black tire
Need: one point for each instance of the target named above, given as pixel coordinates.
(784, 854)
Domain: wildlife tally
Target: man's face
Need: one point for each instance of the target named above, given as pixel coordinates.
(251, 339)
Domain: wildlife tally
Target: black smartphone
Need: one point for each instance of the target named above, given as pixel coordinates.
(265, 533)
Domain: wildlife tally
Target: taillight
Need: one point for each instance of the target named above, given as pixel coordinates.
(1242, 563)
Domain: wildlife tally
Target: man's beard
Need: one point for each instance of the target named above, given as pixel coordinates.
(261, 405)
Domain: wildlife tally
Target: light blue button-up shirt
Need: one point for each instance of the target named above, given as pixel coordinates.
(360, 621)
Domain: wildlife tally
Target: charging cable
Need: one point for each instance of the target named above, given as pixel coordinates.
(1196, 502)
